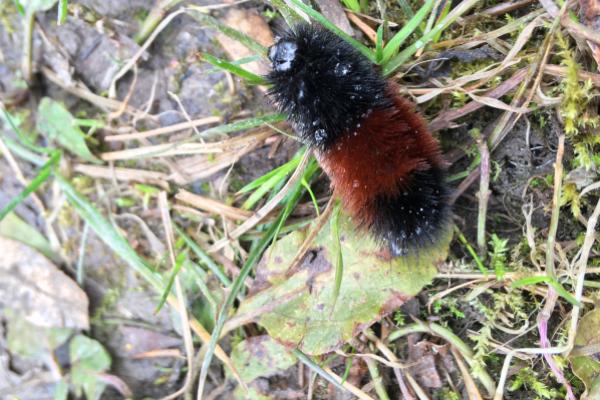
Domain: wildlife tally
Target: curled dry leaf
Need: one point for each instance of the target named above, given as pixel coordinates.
(297, 310)
(35, 288)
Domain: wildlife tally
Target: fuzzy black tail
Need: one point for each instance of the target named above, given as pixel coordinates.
(416, 215)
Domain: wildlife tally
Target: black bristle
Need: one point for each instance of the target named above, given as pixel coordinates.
(363, 131)
(323, 84)
(415, 216)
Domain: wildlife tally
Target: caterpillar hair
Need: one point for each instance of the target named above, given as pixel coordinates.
(381, 159)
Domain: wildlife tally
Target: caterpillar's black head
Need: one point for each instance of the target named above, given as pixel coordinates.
(283, 56)
(323, 84)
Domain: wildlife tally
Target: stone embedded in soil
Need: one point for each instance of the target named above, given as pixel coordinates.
(34, 287)
(95, 55)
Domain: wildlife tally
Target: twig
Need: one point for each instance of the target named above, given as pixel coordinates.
(26, 63)
(79, 90)
(506, 7)
(165, 130)
(470, 385)
(154, 17)
(183, 315)
(484, 195)
(558, 177)
(552, 297)
(212, 206)
(112, 91)
(123, 174)
(347, 385)
(590, 237)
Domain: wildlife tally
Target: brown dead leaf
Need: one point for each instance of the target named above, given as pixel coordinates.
(34, 287)
(423, 364)
(253, 25)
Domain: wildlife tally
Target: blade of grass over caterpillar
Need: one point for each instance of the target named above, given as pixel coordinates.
(397, 61)
(251, 78)
(317, 16)
(253, 257)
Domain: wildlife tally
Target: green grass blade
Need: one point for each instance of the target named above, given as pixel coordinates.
(534, 280)
(13, 227)
(395, 42)
(24, 152)
(337, 250)
(274, 181)
(25, 140)
(406, 9)
(331, 26)
(290, 165)
(352, 5)
(20, 8)
(264, 189)
(291, 199)
(35, 183)
(228, 31)
(313, 198)
(234, 69)
(289, 14)
(472, 252)
(379, 44)
(243, 125)
(238, 283)
(181, 257)
(442, 15)
(108, 233)
(306, 360)
(62, 11)
(203, 256)
(407, 53)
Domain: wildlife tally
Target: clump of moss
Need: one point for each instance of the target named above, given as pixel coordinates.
(579, 119)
